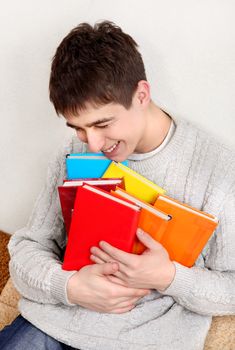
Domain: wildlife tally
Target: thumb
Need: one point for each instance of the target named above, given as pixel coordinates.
(108, 268)
(147, 240)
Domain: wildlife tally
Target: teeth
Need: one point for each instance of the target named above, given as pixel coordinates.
(109, 150)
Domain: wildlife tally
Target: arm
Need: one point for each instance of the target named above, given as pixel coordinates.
(36, 250)
(208, 290)
(211, 290)
(36, 253)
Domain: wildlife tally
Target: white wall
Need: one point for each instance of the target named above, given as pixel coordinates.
(189, 52)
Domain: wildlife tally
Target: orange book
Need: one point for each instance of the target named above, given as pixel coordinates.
(151, 220)
(187, 232)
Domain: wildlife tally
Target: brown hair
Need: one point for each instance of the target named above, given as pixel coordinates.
(99, 65)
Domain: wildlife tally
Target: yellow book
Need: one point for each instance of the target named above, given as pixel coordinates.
(135, 183)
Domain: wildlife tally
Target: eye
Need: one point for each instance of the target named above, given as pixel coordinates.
(102, 126)
(78, 129)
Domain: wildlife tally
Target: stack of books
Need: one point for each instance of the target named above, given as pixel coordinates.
(106, 200)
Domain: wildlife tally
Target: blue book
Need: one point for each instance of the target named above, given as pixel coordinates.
(86, 165)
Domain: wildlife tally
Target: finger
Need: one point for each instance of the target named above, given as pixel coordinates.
(125, 303)
(115, 253)
(122, 310)
(105, 268)
(125, 306)
(147, 240)
(115, 279)
(100, 254)
(119, 302)
(123, 291)
(96, 260)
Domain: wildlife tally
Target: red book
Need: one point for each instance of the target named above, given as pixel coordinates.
(67, 194)
(99, 216)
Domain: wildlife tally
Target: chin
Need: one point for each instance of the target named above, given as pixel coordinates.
(118, 158)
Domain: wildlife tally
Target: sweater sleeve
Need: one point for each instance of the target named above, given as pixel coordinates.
(36, 250)
(211, 290)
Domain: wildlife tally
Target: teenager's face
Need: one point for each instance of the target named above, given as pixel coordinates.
(111, 129)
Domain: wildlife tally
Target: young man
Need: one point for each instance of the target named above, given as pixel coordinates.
(124, 301)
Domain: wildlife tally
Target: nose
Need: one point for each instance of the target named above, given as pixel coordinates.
(95, 140)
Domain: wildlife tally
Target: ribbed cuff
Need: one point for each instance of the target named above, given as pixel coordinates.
(59, 280)
(182, 283)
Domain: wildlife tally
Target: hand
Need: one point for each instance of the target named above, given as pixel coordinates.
(152, 270)
(91, 288)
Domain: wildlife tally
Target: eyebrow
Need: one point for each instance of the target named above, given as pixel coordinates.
(97, 122)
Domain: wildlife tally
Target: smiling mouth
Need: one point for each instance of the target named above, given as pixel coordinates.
(111, 149)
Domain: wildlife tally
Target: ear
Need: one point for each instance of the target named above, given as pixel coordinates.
(142, 94)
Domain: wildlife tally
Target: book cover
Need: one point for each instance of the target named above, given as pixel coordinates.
(135, 183)
(187, 232)
(67, 194)
(86, 165)
(98, 216)
(151, 220)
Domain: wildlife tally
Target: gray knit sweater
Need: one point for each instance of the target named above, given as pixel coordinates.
(193, 168)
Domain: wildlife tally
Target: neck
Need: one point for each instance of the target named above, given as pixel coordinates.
(157, 127)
